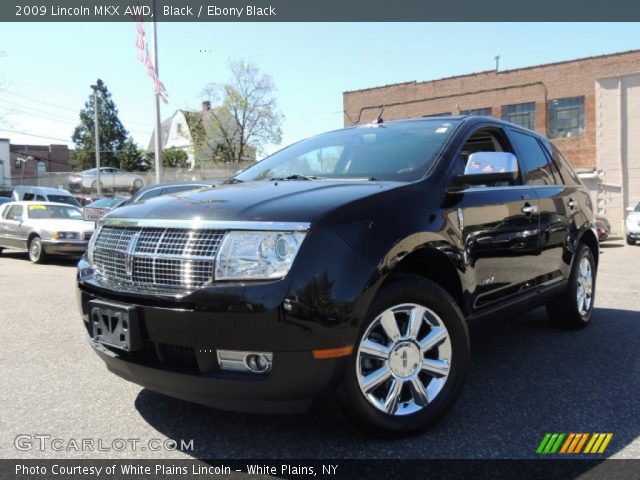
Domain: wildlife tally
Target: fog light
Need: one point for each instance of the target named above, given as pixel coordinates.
(251, 362)
(257, 362)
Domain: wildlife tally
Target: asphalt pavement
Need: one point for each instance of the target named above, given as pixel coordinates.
(527, 379)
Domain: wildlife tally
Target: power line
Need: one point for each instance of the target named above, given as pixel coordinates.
(35, 135)
(59, 106)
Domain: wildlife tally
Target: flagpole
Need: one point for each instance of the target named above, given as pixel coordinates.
(158, 136)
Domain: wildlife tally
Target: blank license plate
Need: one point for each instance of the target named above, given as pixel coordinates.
(115, 325)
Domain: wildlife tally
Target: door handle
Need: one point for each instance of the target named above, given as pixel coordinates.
(528, 209)
(572, 203)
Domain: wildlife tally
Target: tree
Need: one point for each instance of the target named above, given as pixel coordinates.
(131, 158)
(175, 158)
(243, 117)
(113, 135)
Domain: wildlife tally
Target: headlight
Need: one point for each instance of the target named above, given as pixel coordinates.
(246, 255)
(63, 235)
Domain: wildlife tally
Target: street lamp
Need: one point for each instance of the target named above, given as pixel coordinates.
(24, 164)
(96, 88)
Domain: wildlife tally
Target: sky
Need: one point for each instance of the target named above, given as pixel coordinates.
(46, 69)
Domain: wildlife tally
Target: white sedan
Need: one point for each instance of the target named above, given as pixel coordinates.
(111, 178)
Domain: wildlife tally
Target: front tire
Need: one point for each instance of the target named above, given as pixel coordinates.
(573, 307)
(137, 184)
(36, 251)
(410, 361)
(630, 241)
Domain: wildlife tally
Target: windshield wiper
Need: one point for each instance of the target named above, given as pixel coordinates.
(230, 181)
(295, 177)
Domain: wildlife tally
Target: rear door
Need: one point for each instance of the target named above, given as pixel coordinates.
(500, 228)
(557, 203)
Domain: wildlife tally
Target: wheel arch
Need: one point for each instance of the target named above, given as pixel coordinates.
(431, 263)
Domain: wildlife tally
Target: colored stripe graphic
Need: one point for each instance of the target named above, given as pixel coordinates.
(573, 443)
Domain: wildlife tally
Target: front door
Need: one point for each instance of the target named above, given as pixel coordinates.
(500, 229)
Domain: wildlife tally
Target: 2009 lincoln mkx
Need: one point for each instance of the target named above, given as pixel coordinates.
(351, 263)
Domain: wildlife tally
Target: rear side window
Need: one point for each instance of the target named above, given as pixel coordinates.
(13, 212)
(535, 166)
(28, 196)
(567, 173)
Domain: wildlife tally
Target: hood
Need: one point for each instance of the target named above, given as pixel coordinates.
(272, 201)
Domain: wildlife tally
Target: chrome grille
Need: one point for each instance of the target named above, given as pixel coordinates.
(175, 260)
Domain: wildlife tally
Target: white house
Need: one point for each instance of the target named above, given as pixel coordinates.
(176, 134)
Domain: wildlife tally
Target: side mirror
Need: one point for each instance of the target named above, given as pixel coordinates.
(18, 218)
(487, 167)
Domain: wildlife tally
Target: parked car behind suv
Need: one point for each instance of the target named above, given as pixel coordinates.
(43, 194)
(632, 225)
(353, 262)
(110, 178)
(43, 229)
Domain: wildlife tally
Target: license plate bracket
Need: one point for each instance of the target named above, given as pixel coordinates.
(115, 325)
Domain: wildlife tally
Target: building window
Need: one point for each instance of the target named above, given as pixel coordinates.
(566, 117)
(443, 114)
(179, 129)
(483, 112)
(41, 168)
(18, 163)
(523, 114)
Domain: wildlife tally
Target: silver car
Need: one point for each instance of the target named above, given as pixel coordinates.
(110, 178)
(44, 228)
(632, 225)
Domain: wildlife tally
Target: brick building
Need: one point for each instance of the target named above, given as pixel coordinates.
(589, 107)
(46, 159)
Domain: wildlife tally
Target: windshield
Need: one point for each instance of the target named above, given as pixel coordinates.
(637, 209)
(63, 199)
(107, 202)
(401, 151)
(54, 211)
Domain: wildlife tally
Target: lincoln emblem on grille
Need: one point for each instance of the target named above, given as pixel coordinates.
(131, 247)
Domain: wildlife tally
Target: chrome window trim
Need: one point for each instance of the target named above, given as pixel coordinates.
(197, 224)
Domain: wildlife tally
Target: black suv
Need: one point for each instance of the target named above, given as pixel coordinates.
(354, 261)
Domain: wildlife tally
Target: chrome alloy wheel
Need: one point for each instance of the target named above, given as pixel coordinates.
(584, 290)
(403, 359)
(35, 249)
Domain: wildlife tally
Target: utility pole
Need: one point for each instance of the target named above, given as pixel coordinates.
(158, 136)
(97, 135)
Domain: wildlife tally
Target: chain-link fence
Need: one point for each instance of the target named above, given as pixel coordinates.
(118, 182)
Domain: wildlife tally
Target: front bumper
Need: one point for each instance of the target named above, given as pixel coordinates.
(181, 339)
(62, 247)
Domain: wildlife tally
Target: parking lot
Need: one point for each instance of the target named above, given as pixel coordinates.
(527, 379)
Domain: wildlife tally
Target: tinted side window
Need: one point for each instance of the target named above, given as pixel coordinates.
(569, 177)
(535, 166)
(28, 196)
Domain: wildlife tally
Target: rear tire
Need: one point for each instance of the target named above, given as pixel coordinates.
(423, 369)
(572, 308)
(630, 241)
(36, 251)
(138, 184)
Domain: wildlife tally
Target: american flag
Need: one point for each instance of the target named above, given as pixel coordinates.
(144, 56)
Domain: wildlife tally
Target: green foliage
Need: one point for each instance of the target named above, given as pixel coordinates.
(113, 136)
(175, 158)
(131, 158)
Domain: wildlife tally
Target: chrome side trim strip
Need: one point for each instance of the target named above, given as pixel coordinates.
(196, 224)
